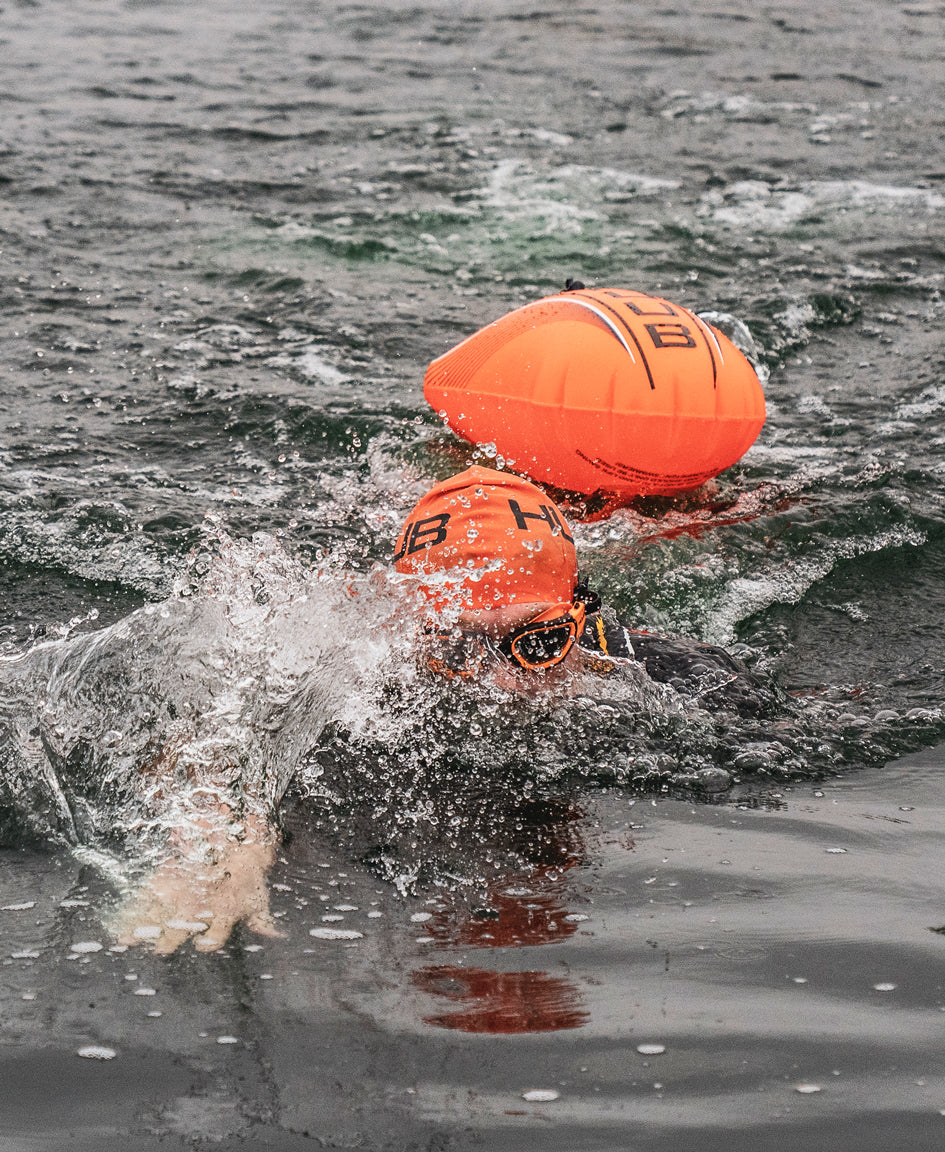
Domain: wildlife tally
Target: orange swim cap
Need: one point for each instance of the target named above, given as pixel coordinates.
(491, 539)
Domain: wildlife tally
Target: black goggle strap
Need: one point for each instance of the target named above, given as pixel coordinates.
(583, 593)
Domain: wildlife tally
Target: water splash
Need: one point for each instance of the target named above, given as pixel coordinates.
(262, 672)
(215, 692)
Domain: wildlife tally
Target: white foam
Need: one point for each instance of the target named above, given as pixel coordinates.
(758, 205)
(563, 198)
(313, 364)
(335, 934)
(96, 1052)
(744, 596)
(931, 400)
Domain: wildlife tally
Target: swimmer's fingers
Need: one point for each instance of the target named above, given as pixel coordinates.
(130, 937)
(176, 932)
(263, 925)
(168, 937)
(164, 937)
(139, 921)
(169, 942)
(217, 935)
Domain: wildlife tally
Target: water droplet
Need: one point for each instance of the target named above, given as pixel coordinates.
(228, 1039)
(885, 987)
(540, 1095)
(86, 946)
(651, 1049)
(807, 1089)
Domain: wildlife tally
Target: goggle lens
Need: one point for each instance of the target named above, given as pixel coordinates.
(544, 646)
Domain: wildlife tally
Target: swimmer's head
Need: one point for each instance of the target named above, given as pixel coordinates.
(496, 562)
(485, 541)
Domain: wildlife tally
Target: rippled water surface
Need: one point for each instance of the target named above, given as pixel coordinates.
(232, 237)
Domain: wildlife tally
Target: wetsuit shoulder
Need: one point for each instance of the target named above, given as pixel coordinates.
(706, 672)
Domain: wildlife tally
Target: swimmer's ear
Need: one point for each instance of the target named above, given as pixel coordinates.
(582, 593)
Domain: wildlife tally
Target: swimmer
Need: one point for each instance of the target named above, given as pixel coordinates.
(496, 563)
(493, 564)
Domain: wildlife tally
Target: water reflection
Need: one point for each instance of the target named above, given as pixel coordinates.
(520, 911)
(509, 921)
(502, 1002)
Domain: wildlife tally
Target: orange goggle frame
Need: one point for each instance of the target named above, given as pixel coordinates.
(545, 641)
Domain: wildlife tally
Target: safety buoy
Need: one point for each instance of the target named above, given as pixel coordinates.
(603, 390)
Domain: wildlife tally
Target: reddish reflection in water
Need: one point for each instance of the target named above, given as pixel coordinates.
(507, 922)
(502, 1003)
(519, 911)
(529, 909)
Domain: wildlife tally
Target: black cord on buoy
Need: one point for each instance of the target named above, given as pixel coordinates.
(571, 285)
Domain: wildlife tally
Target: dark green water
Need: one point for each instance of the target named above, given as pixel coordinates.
(231, 239)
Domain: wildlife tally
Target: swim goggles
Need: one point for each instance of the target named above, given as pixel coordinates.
(546, 640)
(539, 644)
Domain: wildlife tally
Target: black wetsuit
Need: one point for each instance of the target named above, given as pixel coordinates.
(717, 679)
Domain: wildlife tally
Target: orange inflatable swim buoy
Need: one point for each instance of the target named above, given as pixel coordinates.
(602, 390)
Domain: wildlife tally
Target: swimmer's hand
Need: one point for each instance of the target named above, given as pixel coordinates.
(203, 898)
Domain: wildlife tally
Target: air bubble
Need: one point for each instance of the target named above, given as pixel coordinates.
(335, 934)
(96, 1052)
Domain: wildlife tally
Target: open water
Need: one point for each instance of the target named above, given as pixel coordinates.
(232, 237)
